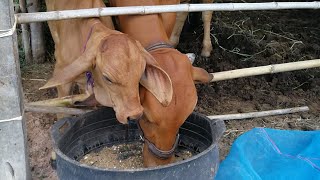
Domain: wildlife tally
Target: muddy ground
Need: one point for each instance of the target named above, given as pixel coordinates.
(240, 40)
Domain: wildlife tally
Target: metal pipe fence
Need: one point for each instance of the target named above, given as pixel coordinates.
(114, 11)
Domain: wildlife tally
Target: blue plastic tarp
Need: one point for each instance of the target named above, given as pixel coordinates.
(263, 153)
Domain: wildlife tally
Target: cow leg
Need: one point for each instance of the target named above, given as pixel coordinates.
(168, 20)
(175, 35)
(206, 42)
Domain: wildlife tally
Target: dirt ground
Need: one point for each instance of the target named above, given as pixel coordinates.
(240, 40)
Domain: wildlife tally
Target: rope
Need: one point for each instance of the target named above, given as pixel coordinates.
(9, 32)
(19, 118)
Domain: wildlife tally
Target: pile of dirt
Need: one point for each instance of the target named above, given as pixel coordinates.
(257, 38)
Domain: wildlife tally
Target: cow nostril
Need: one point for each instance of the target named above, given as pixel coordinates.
(140, 115)
(135, 117)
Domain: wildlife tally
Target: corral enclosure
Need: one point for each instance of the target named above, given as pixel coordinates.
(240, 39)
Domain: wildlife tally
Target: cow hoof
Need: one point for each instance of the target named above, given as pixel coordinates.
(206, 48)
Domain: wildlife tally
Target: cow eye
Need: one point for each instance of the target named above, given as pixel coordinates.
(108, 79)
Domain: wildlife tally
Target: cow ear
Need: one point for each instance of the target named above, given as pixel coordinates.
(200, 75)
(156, 80)
(72, 71)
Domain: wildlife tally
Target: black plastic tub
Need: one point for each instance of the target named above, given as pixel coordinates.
(75, 137)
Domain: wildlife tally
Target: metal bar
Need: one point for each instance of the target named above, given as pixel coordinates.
(14, 162)
(114, 11)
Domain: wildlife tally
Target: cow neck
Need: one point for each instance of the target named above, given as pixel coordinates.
(152, 147)
(161, 154)
(88, 74)
(89, 33)
(147, 29)
(91, 28)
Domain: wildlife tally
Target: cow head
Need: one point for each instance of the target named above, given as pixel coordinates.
(118, 64)
(160, 124)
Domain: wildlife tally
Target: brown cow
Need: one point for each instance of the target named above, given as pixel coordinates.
(160, 124)
(206, 18)
(115, 62)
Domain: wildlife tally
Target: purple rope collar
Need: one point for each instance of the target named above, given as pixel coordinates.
(88, 74)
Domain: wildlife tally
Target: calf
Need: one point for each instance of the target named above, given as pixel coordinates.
(113, 62)
(206, 18)
(160, 124)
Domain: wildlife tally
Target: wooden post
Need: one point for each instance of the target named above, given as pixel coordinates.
(36, 33)
(25, 34)
(14, 162)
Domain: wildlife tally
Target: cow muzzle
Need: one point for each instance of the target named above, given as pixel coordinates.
(129, 115)
(160, 154)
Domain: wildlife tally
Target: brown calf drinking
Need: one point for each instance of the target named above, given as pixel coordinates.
(160, 124)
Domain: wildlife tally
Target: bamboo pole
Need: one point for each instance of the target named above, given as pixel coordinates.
(270, 69)
(258, 114)
(60, 102)
(76, 111)
(55, 110)
(219, 76)
(114, 11)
